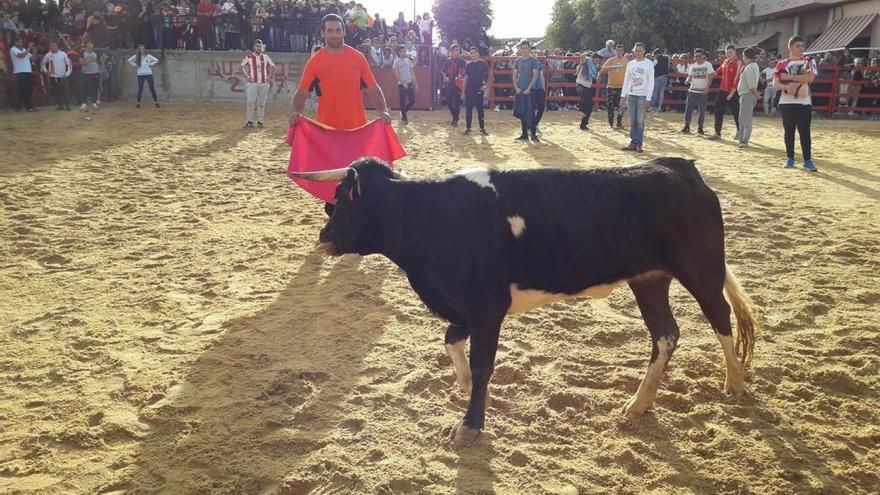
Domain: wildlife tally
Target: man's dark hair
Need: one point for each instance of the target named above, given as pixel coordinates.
(795, 39)
(730, 47)
(750, 52)
(639, 43)
(620, 45)
(699, 50)
(331, 18)
(525, 42)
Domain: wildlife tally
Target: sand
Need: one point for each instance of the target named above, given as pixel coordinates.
(168, 326)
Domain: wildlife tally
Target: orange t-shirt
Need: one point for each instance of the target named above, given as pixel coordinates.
(338, 78)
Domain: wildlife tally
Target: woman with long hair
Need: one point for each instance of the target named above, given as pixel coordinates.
(144, 63)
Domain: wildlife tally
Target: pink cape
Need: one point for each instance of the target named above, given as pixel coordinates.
(315, 147)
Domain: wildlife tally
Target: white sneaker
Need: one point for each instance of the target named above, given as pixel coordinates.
(96, 105)
(83, 108)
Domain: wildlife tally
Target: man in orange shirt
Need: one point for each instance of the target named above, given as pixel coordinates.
(338, 73)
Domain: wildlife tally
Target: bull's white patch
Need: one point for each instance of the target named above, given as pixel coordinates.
(517, 225)
(735, 381)
(647, 391)
(460, 363)
(527, 299)
(479, 176)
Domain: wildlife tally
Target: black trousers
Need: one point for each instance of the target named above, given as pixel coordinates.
(24, 81)
(407, 97)
(149, 81)
(59, 90)
(453, 101)
(613, 104)
(586, 103)
(797, 118)
(473, 99)
(88, 87)
(722, 104)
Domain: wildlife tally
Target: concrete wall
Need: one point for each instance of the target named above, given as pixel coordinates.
(209, 76)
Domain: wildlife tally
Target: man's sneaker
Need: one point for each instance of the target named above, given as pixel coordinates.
(809, 166)
(404, 120)
(789, 163)
(83, 108)
(483, 132)
(619, 124)
(249, 125)
(743, 145)
(714, 137)
(522, 138)
(535, 138)
(701, 132)
(157, 104)
(639, 149)
(138, 105)
(259, 125)
(737, 137)
(467, 132)
(96, 105)
(630, 147)
(686, 130)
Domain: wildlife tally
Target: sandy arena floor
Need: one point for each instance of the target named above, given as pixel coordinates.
(168, 327)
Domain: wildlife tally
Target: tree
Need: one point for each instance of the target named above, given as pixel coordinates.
(461, 19)
(677, 25)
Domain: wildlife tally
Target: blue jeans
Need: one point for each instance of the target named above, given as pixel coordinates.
(659, 89)
(637, 112)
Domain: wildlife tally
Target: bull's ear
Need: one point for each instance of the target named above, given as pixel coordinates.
(356, 184)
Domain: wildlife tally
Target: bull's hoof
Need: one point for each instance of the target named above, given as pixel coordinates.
(735, 388)
(635, 407)
(463, 435)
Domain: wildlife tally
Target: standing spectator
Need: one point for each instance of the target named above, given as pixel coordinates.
(108, 78)
(90, 78)
(586, 75)
(299, 39)
(143, 14)
(699, 78)
(426, 29)
(609, 50)
(453, 72)
(205, 24)
(769, 90)
(407, 85)
(400, 26)
(638, 88)
(614, 68)
(276, 26)
(380, 27)
(388, 57)
(96, 30)
(260, 71)
(476, 74)
(661, 79)
(792, 78)
(726, 96)
(748, 94)
(144, 63)
(75, 80)
(23, 72)
(114, 24)
(846, 59)
(56, 65)
(858, 76)
(529, 83)
(483, 43)
(443, 46)
(259, 22)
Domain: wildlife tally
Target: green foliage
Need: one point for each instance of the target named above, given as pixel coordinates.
(460, 19)
(677, 25)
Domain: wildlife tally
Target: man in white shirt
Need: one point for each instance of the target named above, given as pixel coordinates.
(426, 28)
(24, 74)
(56, 65)
(699, 77)
(638, 86)
(260, 71)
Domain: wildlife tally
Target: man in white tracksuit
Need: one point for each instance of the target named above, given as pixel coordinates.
(260, 71)
(638, 87)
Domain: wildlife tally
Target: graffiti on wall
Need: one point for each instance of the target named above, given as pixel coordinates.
(286, 76)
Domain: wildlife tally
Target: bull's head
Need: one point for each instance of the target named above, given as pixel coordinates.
(356, 221)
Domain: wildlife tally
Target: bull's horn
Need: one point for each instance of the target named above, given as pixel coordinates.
(334, 175)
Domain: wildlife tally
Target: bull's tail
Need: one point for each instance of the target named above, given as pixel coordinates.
(746, 317)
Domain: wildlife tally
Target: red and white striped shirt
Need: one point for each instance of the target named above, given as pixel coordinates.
(257, 67)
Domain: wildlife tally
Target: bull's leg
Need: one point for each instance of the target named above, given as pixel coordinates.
(456, 339)
(708, 290)
(484, 345)
(652, 295)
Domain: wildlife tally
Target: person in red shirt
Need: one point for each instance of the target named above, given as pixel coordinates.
(792, 78)
(338, 73)
(726, 96)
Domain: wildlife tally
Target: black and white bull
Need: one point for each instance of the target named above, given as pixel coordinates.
(487, 243)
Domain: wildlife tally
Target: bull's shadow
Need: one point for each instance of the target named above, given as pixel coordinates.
(267, 394)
